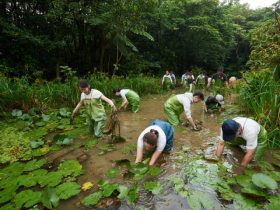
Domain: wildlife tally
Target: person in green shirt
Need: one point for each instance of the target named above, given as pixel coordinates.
(92, 100)
(130, 99)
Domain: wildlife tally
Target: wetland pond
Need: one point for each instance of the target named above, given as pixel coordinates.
(192, 179)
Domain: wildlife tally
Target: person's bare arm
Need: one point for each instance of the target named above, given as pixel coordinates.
(124, 103)
(220, 109)
(192, 123)
(104, 98)
(77, 107)
(248, 157)
(190, 90)
(226, 83)
(209, 83)
(155, 157)
(139, 154)
(220, 148)
(205, 108)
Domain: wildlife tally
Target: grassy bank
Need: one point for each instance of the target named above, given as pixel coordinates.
(260, 92)
(25, 93)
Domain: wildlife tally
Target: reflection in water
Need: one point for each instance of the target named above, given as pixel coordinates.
(151, 108)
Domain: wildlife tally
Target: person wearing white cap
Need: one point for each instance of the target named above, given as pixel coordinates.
(243, 131)
(214, 102)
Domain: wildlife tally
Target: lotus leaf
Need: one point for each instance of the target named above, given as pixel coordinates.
(86, 186)
(46, 118)
(265, 165)
(51, 179)
(35, 134)
(109, 189)
(9, 206)
(231, 181)
(273, 206)
(91, 143)
(123, 191)
(61, 127)
(8, 194)
(273, 174)
(92, 199)
(13, 169)
(34, 164)
(32, 112)
(62, 139)
(112, 173)
(276, 156)
(249, 173)
(125, 150)
(8, 182)
(63, 112)
(51, 125)
(50, 198)
(264, 181)
(40, 124)
(26, 181)
(246, 203)
(197, 199)
(106, 147)
(177, 181)
(253, 192)
(72, 165)
(138, 177)
(245, 181)
(36, 144)
(155, 187)
(139, 168)
(133, 193)
(154, 171)
(186, 148)
(16, 113)
(27, 197)
(25, 117)
(102, 183)
(67, 190)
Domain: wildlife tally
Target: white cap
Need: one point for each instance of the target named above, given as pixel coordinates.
(220, 99)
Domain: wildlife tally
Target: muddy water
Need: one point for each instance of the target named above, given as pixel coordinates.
(131, 126)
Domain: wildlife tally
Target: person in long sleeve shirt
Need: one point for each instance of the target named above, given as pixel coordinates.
(167, 81)
(177, 104)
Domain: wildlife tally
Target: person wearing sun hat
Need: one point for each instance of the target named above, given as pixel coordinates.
(214, 102)
(243, 131)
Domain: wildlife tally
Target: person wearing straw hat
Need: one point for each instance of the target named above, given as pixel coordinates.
(243, 131)
(214, 102)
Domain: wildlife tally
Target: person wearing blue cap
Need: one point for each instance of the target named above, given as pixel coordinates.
(243, 131)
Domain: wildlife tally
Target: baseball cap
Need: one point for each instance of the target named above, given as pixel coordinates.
(229, 128)
(220, 69)
(220, 99)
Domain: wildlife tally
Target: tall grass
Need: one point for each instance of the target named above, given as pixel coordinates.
(24, 94)
(260, 92)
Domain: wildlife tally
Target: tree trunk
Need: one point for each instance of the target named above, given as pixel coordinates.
(103, 47)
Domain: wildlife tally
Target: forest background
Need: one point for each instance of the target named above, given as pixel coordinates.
(130, 37)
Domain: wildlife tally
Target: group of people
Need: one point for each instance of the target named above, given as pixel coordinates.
(158, 136)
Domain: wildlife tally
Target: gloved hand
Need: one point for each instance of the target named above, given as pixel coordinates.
(72, 118)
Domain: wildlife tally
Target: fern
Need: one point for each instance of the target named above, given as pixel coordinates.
(143, 33)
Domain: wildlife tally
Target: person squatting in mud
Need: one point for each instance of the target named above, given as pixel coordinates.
(243, 131)
(131, 100)
(156, 138)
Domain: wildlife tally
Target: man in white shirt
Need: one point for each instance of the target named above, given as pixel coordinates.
(177, 104)
(243, 131)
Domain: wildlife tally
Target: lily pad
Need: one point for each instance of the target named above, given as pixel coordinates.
(62, 139)
(273, 174)
(27, 197)
(51, 179)
(36, 144)
(177, 181)
(25, 117)
(91, 143)
(265, 165)
(249, 173)
(16, 113)
(8, 194)
(92, 199)
(102, 183)
(139, 168)
(13, 169)
(50, 198)
(35, 134)
(106, 147)
(125, 150)
(186, 148)
(72, 165)
(109, 189)
(40, 124)
(34, 164)
(138, 177)
(46, 118)
(245, 181)
(253, 192)
(155, 187)
(64, 113)
(264, 181)
(197, 199)
(67, 190)
(154, 171)
(133, 193)
(123, 191)
(112, 173)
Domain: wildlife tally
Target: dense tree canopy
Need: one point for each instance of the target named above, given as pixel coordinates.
(127, 36)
